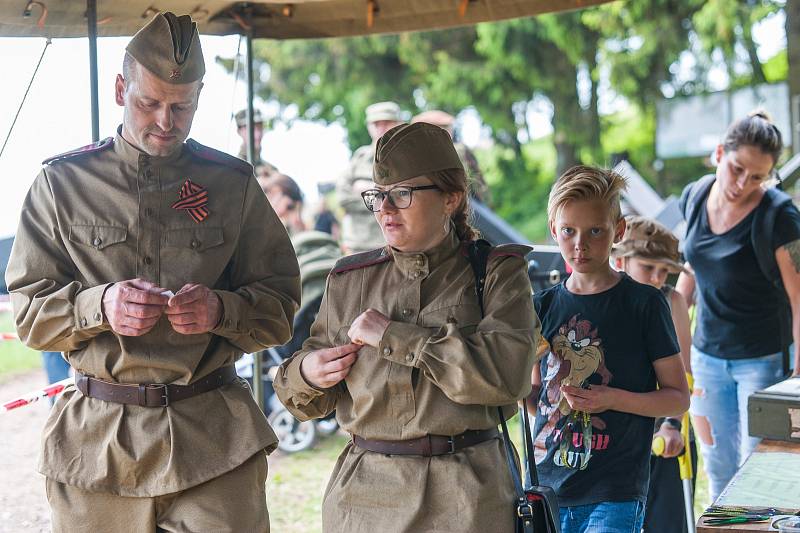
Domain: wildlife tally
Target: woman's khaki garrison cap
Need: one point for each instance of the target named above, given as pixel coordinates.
(410, 150)
(169, 47)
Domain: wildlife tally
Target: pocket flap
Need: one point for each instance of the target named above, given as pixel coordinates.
(197, 239)
(97, 236)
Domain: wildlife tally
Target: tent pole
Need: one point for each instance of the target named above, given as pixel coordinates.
(91, 21)
(258, 383)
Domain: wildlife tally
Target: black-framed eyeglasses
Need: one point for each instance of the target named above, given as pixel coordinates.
(399, 196)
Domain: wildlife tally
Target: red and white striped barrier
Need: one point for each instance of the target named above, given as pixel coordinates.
(4, 336)
(51, 390)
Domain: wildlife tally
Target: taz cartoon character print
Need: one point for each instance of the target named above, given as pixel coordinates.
(576, 354)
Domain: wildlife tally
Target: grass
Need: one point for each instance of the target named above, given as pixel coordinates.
(14, 356)
(296, 483)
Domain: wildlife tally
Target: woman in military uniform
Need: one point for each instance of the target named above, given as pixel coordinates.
(401, 351)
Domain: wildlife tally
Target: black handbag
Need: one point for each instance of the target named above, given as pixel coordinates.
(535, 507)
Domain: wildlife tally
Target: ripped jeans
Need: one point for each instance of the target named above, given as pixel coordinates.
(721, 389)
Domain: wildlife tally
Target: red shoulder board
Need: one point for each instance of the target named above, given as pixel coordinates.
(210, 154)
(511, 250)
(89, 148)
(362, 260)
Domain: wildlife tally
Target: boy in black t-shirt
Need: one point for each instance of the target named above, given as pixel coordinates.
(611, 341)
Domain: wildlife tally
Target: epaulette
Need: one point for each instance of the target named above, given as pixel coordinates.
(362, 260)
(210, 154)
(89, 148)
(511, 250)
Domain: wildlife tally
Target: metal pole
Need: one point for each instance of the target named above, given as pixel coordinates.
(91, 21)
(258, 383)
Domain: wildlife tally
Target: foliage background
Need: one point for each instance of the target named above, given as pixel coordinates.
(600, 71)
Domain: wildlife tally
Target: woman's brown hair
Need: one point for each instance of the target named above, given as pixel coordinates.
(756, 129)
(455, 180)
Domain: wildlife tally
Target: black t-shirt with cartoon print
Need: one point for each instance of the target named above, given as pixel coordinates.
(610, 338)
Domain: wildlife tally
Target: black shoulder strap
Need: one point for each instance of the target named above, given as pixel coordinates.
(478, 252)
(692, 198)
(762, 232)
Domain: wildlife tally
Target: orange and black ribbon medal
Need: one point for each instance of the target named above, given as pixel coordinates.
(194, 199)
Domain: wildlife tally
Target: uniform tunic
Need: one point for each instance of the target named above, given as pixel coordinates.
(439, 369)
(104, 215)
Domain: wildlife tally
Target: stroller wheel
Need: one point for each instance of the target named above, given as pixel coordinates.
(293, 435)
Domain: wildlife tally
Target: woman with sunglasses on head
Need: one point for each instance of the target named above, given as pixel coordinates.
(743, 243)
(412, 367)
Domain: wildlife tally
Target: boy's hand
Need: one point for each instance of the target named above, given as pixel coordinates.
(673, 440)
(596, 399)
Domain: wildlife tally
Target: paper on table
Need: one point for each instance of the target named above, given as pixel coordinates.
(767, 479)
(790, 386)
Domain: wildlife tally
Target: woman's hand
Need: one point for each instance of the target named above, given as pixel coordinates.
(325, 368)
(596, 399)
(368, 328)
(673, 440)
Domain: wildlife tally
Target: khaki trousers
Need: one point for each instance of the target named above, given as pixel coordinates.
(233, 502)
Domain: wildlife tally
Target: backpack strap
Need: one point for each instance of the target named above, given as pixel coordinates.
(761, 233)
(693, 198)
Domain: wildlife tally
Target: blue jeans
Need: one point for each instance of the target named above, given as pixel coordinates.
(608, 517)
(55, 367)
(721, 389)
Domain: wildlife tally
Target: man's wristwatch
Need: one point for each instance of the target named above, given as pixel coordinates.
(674, 423)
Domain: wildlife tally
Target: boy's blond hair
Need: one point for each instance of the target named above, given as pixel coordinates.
(583, 182)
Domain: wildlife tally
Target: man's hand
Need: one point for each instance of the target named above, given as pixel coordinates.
(596, 399)
(673, 440)
(194, 309)
(132, 307)
(368, 328)
(325, 368)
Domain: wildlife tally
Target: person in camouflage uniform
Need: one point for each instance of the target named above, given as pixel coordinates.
(360, 232)
(262, 168)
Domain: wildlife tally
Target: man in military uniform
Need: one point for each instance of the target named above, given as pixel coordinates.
(360, 232)
(263, 168)
(153, 262)
(478, 187)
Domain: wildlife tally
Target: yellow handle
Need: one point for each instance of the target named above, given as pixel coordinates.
(658, 446)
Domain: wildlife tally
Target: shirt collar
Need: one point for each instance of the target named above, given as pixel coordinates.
(418, 265)
(133, 155)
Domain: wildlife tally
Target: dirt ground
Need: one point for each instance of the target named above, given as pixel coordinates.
(23, 506)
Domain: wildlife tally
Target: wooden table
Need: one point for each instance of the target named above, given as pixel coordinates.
(766, 446)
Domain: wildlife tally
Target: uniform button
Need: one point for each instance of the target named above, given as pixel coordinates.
(406, 312)
(420, 262)
(387, 351)
(416, 274)
(84, 322)
(410, 357)
(97, 241)
(147, 260)
(98, 316)
(195, 243)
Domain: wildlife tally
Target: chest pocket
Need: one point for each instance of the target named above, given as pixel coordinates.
(194, 239)
(98, 237)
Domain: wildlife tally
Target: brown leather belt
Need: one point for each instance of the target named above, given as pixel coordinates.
(428, 446)
(152, 394)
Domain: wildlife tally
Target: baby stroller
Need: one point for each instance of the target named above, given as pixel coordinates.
(317, 253)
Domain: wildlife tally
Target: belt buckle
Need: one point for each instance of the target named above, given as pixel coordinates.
(164, 392)
(451, 443)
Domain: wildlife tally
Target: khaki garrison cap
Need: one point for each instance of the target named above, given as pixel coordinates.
(383, 111)
(410, 150)
(169, 47)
